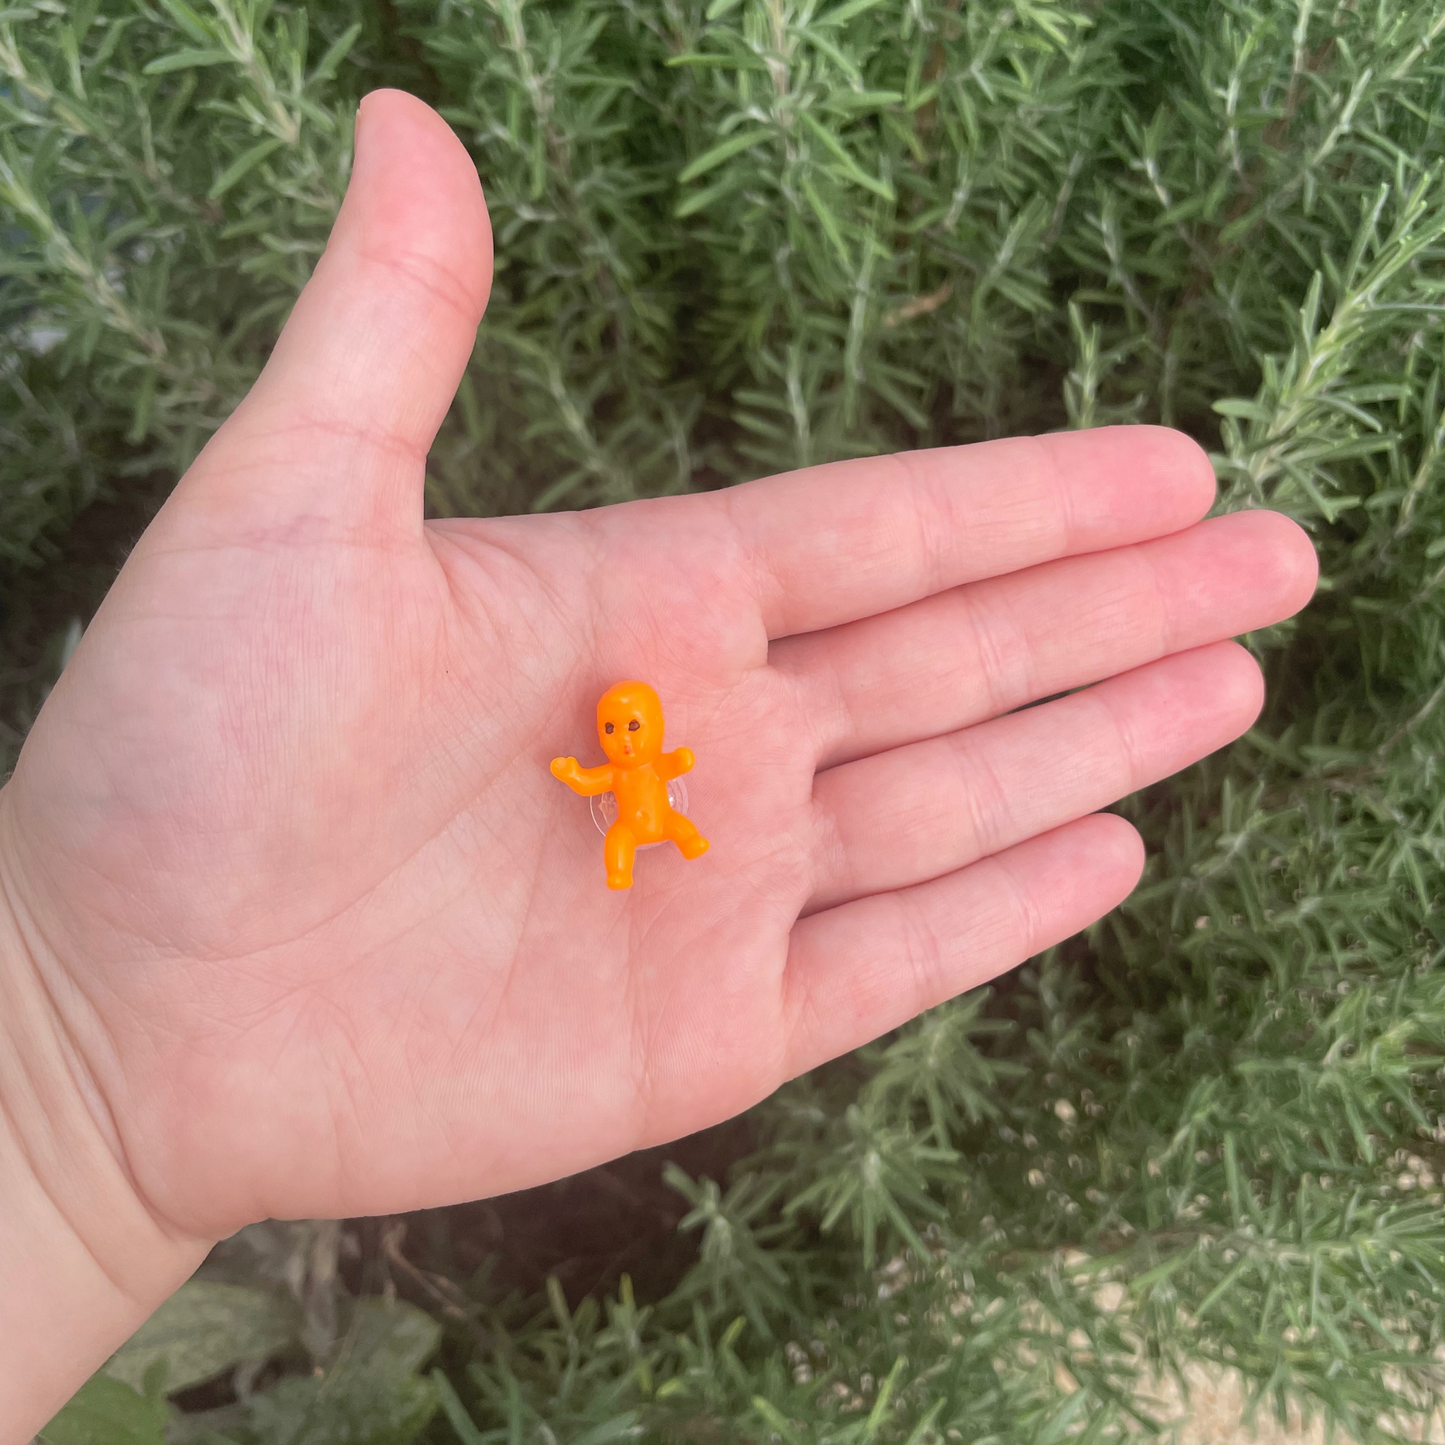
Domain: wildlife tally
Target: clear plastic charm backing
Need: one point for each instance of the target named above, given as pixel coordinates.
(604, 807)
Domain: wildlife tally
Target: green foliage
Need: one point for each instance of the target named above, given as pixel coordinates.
(366, 1390)
(207, 1326)
(107, 1412)
(738, 237)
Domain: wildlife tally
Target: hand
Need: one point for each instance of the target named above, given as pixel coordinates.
(301, 925)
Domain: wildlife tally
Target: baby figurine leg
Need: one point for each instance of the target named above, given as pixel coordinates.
(683, 831)
(619, 848)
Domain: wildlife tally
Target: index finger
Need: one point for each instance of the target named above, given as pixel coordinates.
(833, 543)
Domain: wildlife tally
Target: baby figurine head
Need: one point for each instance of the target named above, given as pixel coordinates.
(629, 724)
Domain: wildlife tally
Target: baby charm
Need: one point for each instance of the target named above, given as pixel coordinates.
(637, 771)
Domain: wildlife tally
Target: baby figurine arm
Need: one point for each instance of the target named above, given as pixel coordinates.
(589, 782)
(675, 764)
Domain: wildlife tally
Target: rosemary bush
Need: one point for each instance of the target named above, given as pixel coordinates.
(738, 237)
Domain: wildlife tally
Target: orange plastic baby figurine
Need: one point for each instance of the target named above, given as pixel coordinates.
(629, 727)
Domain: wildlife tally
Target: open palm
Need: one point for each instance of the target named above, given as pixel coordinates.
(325, 933)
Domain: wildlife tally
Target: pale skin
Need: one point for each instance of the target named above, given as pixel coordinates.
(293, 921)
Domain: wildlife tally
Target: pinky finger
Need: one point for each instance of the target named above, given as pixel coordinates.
(865, 967)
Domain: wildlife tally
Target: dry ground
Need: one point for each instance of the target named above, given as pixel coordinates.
(1217, 1416)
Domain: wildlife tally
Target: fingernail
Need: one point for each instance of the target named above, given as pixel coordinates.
(356, 128)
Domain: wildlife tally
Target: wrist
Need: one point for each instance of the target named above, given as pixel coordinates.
(83, 1259)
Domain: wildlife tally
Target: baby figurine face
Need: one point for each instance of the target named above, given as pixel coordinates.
(629, 724)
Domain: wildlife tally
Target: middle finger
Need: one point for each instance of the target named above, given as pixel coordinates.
(978, 651)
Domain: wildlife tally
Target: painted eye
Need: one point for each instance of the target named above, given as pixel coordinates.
(609, 728)
(633, 725)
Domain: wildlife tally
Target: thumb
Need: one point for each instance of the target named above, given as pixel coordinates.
(339, 423)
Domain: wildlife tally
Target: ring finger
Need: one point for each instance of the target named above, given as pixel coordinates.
(920, 811)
